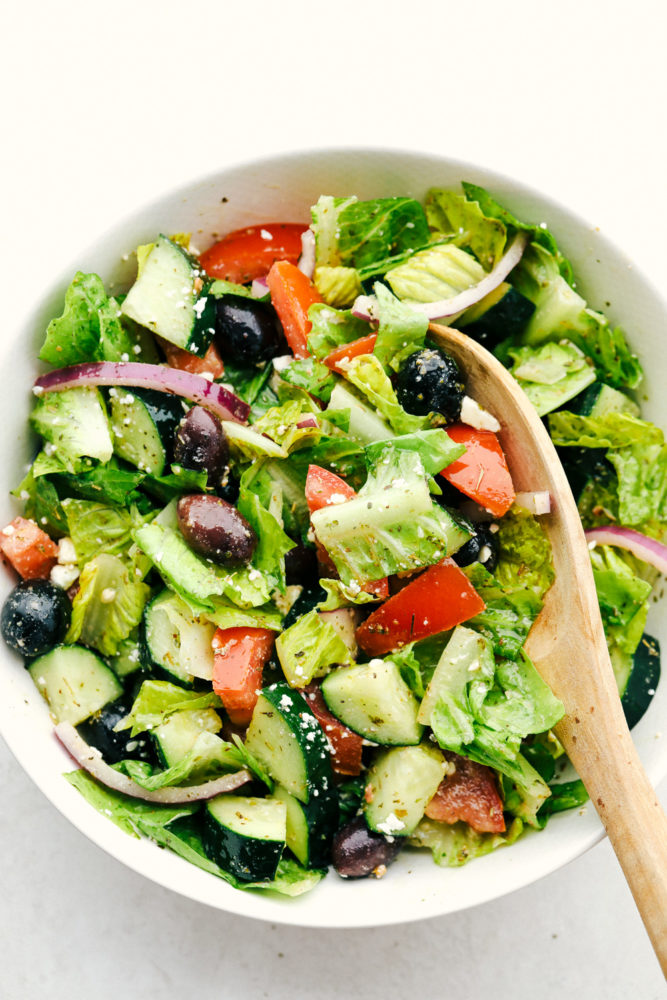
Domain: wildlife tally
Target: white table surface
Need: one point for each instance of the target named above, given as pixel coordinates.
(109, 105)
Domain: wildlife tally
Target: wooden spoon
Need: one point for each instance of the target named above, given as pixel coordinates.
(568, 647)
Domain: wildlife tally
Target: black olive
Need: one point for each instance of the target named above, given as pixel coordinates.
(215, 529)
(358, 852)
(35, 617)
(301, 565)
(247, 331)
(201, 444)
(98, 731)
(429, 380)
(228, 485)
(482, 547)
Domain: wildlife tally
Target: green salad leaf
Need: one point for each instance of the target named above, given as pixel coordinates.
(463, 222)
(157, 701)
(434, 447)
(525, 554)
(108, 605)
(357, 233)
(369, 377)
(96, 528)
(551, 374)
(509, 613)
(208, 757)
(331, 328)
(401, 330)
(338, 286)
(438, 272)
(456, 844)
(309, 648)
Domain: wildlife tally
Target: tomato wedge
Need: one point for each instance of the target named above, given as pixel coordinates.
(469, 794)
(249, 253)
(322, 489)
(239, 657)
(29, 549)
(211, 365)
(346, 352)
(481, 472)
(346, 746)
(292, 295)
(437, 600)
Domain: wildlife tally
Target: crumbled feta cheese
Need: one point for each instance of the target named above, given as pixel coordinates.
(108, 595)
(392, 824)
(64, 576)
(475, 416)
(66, 552)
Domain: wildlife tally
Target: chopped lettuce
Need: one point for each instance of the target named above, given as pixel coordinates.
(105, 484)
(89, 328)
(434, 447)
(463, 222)
(525, 553)
(401, 330)
(325, 225)
(224, 614)
(623, 598)
(156, 701)
(281, 424)
(75, 424)
(175, 483)
(309, 648)
(391, 526)
(509, 613)
(551, 374)
(338, 286)
(248, 382)
(42, 503)
(96, 528)
(356, 233)
(331, 328)
(438, 272)
(564, 795)
(263, 511)
(207, 758)
(108, 604)
(340, 596)
(453, 845)
(368, 376)
(133, 816)
(311, 375)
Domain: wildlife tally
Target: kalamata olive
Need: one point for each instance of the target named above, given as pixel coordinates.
(228, 486)
(358, 852)
(35, 617)
(247, 331)
(215, 529)
(430, 380)
(99, 731)
(482, 547)
(201, 443)
(301, 564)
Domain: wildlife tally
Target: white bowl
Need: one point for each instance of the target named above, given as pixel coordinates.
(282, 189)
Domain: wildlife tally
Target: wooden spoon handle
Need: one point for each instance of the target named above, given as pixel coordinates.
(636, 825)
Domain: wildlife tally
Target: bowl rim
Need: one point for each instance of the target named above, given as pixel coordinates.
(243, 903)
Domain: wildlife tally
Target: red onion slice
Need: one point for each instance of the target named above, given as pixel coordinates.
(649, 550)
(363, 307)
(211, 395)
(91, 760)
(259, 288)
(535, 503)
(306, 261)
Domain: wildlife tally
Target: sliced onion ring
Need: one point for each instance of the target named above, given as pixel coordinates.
(307, 259)
(259, 288)
(211, 395)
(363, 305)
(649, 550)
(536, 503)
(91, 760)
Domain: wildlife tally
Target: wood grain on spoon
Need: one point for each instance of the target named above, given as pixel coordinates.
(568, 646)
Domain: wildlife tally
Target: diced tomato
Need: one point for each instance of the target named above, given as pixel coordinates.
(469, 794)
(292, 295)
(346, 352)
(239, 657)
(249, 253)
(438, 599)
(346, 746)
(324, 488)
(29, 549)
(210, 365)
(481, 472)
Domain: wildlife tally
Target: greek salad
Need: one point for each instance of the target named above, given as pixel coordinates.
(276, 581)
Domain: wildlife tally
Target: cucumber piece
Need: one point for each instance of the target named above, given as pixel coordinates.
(171, 297)
(600, 399)
(643, 680)
(365, 425)
(75, 682)
(245, 836)
(502, 313)
(127, 659)
(75, 423)
(175, 737)
(373, 700)
(400, 784)
(176, 641)
(288, 740)
(144, 424)
(310, 828)
(467, 656)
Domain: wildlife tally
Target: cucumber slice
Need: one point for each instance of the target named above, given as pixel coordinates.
(245, 836)
(176, 641)
(176, 736)
(144, 423)
(373, 700)
(400, 785)
(600, 399)
(365, 425)
(288, 740)
(310, 828)
(75, 682)
(171, 297)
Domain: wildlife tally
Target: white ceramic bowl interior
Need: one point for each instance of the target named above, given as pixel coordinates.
(282, 189)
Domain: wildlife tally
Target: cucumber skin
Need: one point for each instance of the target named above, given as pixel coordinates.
(321, 817)
(248, 859)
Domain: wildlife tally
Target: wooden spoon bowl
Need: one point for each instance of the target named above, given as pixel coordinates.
(568, 647)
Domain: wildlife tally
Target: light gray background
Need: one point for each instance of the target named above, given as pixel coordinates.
(107, 106)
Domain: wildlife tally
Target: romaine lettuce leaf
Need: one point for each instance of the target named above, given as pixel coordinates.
(401, 330)
(175, 483)
(438, 272)
(356, 233)
(368, 376)
(434, 447)
(325, 214)
(464, 223)
(89, 328)
(331, 328)
(309, 648)
(340, 596)
(156, 701)
(42, 503)
(105, 484)
(224, 614)
(96, 528)
(209, 757)
(338, 286)
(281, 424)
(108, 604)
(551, 374)
(248, 382)
(133, 816)
(509, 613)
(311, 375)
(524, 554)
(453, 845)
